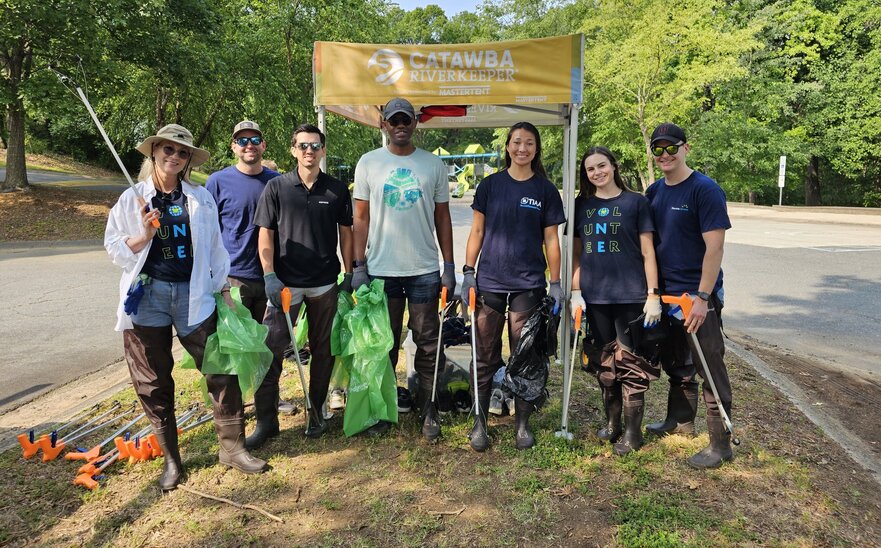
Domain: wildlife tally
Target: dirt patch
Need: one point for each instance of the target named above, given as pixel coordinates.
(851, 396)
(45, 213)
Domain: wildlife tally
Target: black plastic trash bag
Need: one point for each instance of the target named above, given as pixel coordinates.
(527, 374)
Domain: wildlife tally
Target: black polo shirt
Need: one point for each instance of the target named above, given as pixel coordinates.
(306, 227)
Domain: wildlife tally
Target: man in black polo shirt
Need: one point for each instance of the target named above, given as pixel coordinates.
(302, 216)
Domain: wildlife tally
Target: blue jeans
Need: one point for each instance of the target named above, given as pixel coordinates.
(420, 289)
(165, 303)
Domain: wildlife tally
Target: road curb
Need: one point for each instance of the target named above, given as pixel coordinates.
(855, 447)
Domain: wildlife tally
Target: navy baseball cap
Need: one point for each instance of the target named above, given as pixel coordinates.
(668, 132)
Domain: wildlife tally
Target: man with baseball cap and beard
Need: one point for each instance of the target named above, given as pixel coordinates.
(401, 201)
(691, 218)
(236, 189)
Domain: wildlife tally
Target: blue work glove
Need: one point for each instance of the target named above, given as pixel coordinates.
(274, 287)
(135, 294)
(448, 278)
(346, 285)
(556, 292)
(468, 283)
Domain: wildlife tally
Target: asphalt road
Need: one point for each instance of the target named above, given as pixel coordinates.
(70, 180)
(811, 287)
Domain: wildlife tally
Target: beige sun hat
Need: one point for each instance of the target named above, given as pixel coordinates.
(176, 134)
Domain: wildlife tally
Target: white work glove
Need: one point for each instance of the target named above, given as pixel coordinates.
(576, 301)
(652, 311)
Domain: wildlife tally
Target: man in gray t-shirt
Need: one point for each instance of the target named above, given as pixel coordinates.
(401, 201)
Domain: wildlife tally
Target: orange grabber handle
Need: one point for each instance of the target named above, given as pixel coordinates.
(29, 449)
(578, 319)
(286, 298)
(443, 301)
(155, 450)
(89, 455)
(684, 303)
(472, 297)
(86, 481)
(120, 446)
(154, 222)
(51, 453)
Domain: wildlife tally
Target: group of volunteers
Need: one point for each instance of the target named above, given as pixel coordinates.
(179, 244)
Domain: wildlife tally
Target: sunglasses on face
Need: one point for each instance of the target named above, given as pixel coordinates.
(169, 150)
(400, 120)
(669, 149)
(243, 141)
(306, 146)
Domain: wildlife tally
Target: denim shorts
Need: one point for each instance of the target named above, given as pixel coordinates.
(420, 289)
(165, 303)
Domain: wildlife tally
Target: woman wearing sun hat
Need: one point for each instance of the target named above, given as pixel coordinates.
(170, 275)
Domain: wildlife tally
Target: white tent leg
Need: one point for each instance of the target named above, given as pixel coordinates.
(322, 125)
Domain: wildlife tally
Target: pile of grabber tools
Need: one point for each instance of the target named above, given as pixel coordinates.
(128, 444)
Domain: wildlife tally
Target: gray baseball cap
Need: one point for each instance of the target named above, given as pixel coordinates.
(396, 106)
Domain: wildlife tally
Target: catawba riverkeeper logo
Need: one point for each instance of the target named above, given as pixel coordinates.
(463, 72)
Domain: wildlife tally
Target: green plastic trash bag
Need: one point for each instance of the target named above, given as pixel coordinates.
(372, 393)
(238, 347)
(339, 341)
(302, 328)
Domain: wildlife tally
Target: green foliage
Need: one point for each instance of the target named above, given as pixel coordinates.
(656, 520)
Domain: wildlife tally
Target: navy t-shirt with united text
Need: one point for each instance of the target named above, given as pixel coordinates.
(612, 266)
(517, 212)
(170, 258)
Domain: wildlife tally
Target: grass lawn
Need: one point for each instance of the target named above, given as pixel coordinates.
(788, 486)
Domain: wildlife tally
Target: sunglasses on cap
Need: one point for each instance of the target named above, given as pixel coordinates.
(306, 146)
(400, 120)
(669, 149)
(183, 153)
(243, 141)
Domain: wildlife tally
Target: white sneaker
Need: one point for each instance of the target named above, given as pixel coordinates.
(325, 412)
(337, 399)
(287, 408)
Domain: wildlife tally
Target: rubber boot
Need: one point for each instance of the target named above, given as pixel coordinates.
(231, 434)
(524, 438)
(430, 424)
(612, 405)
(681, 410)
(173, 468)
(719, 449)
(316, 426)
(266, 409)
(479, 436)
(632, 438)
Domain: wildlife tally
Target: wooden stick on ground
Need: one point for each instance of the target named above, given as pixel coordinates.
(447, 512)
(233, 503)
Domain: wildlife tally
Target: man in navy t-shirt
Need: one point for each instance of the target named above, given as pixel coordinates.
(691, 218)
(236, 190)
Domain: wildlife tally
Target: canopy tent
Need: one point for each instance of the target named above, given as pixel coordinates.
(493, 84)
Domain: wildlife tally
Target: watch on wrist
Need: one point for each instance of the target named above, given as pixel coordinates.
(704, 296)
(356, 263)
(466, 269)
(655, 291)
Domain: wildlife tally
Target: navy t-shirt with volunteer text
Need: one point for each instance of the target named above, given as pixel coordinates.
(236, 195)
(682, 213)
(517, 212)
(612, 267)
(170, 258)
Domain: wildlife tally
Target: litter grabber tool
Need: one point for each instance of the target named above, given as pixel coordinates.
(93, 453)
(684, 303)
(53, 447)
(472, 299)
(430, 425)
(88, 480)
(30, 445)
(82, 96)
(312, 414)
(567, 390)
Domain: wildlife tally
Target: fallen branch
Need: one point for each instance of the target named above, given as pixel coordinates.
(447, 512)
(233, 503)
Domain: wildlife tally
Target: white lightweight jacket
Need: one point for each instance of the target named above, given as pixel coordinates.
(210, 258)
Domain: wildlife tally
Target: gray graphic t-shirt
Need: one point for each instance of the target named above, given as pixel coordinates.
(402, 191)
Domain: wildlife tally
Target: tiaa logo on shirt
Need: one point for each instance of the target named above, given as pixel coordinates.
(530, 203)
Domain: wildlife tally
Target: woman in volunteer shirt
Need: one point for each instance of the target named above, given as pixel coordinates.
(170, 275)
(516, 213)
(615, 278)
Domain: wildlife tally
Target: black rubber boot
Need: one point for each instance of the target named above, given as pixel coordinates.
(681, 410)
(719, 449)
(524, 438)
(316, 426)
(266, 410)
(612, 405)
(173, 469)
(430, 424)
(231, 434)
(479, 436)
(632, 438)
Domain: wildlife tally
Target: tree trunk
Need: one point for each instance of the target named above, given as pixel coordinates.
(209, 121)
(812, 182)
(161, 106)
(16, 169)
(647, 177)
